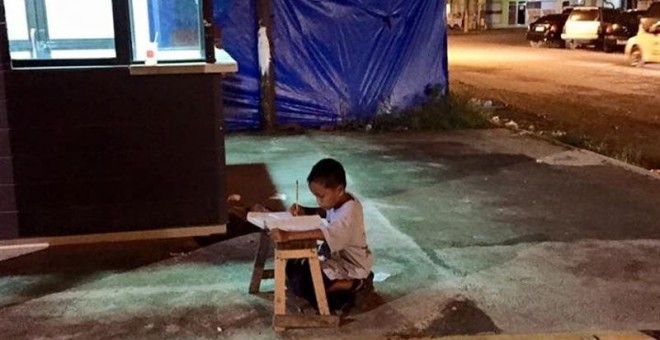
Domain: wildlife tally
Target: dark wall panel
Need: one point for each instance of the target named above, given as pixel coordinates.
(4, 122)
(99, 150)
(8, 213)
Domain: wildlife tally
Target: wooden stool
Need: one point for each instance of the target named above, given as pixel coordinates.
(300, 249)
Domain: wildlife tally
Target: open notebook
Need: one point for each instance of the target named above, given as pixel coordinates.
(285, 221)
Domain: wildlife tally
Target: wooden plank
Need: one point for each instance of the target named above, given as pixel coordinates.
(319, 287)
(280, 287)
(297, 244)
(295, 254)
(259, 261)
(300, 321)
(121, 236)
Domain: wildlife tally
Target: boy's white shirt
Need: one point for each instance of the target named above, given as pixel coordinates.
(346, 236)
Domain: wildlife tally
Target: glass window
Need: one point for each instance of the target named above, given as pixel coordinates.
(60, 29)
(173, 25)
(629, 19)
(584, 15)
(609, 15)
(534, 5)
(17, 28)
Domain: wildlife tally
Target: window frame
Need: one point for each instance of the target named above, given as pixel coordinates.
(134, 59)
(123, 44)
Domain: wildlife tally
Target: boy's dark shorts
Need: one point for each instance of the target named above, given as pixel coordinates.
(299, 282)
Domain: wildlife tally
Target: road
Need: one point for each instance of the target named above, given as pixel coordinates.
(594, 96)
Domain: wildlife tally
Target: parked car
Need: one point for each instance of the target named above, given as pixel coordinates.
(625, 26)
(547, 30)
(645, 46)
(586, 26)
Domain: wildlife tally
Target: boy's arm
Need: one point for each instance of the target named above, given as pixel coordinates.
(297, 210)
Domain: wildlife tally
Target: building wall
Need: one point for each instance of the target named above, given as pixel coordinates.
(8, 213)
(99, 150)
(88, 150)
(506, 13)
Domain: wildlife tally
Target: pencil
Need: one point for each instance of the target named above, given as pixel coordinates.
(296, 192)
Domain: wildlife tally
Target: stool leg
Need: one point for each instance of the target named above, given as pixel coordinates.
(259, 262)
(319, 288)
(280, 286)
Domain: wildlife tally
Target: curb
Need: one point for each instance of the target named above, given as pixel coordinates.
(609, 160)
(605, 335)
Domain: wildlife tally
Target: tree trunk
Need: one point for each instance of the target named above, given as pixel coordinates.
(265, 54)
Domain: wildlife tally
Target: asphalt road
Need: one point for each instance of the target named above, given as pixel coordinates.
(586, 92)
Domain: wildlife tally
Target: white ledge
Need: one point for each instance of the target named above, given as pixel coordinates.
(224, 64)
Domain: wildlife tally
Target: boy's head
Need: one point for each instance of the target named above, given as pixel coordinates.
(327, 181)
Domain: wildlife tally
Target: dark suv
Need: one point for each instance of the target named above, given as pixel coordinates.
(625, 26)
(547, 30)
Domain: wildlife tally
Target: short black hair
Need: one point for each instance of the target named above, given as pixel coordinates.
(328, 172)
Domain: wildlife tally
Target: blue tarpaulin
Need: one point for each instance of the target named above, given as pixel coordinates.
(335, 61)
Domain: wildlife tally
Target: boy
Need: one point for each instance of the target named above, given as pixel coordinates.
(346, 258)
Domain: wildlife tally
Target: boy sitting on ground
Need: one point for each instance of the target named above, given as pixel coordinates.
(346, 260)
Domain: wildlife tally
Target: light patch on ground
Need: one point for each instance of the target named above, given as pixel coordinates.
(383, 235)
(573, 158)
(605, 67)
(138, 292)
(386, 205)
(436, 165)
(466, 55)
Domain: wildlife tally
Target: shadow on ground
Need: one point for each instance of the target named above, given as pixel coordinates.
(460, 316)
(59, 268)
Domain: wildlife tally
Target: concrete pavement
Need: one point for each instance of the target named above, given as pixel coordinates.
(473, 232)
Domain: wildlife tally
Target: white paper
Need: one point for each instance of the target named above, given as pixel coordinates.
(285, 221)
(380, 277)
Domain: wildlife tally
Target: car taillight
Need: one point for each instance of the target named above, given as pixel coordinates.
(609, 29)
(553, 28)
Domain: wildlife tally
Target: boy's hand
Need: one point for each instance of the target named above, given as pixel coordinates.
(279, 236)
(296, 210)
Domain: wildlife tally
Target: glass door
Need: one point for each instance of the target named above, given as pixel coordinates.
(512, 13)
(522, 13)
